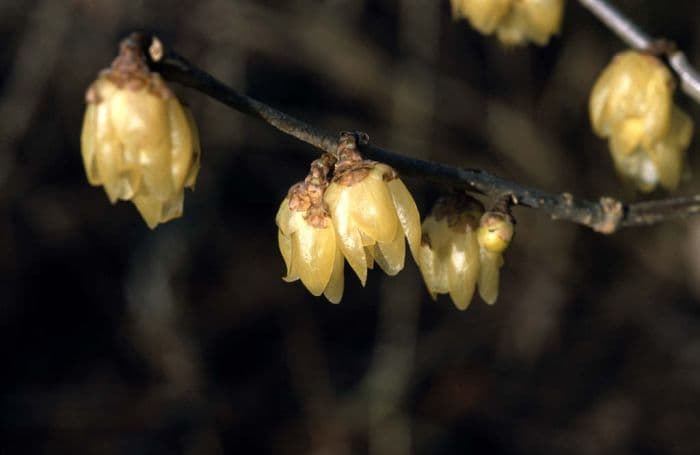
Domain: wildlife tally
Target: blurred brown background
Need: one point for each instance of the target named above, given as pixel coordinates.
(118, 340)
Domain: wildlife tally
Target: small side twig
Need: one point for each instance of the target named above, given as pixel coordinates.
(606, 215)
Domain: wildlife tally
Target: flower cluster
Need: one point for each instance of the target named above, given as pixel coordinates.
(513, 21)
(361, 213)
(462, 248)
(138, 141)
(632, 105)
(142, 145)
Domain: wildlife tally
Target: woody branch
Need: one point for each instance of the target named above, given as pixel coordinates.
(605, 216)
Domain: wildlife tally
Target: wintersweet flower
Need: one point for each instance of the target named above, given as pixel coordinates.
(631, 101)
(137, 140)
(631, 104)
(449, 257)
(372, 211)
(307, 238)
(462, 249)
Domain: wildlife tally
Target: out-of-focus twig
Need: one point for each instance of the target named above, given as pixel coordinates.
(605, 216)
(637, 38)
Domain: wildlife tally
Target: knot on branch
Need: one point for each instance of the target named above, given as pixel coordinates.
(610, 214)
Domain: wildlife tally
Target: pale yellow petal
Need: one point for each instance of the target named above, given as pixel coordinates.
(141, 122)
(181, 142)
(335, 287)
(155, 165)
(285, 246)
(354, 252)
(88, 144)
(434, 256)
(543, 19)
(426, 264)
(149, 208)
(313, 254)
(372, 209)
(390, 256)
(463, 268)
(282, 217)
(108, 162)
(489, 272)
(196, 150)
(407, 213)
(172, 208)
(369, 256)
(628, 136)
(669, 153)
(339, 201)
(440, 238)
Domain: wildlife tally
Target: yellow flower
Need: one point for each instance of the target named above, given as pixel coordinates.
(307, 239)
(137, 139)
(372, 211)
(494, 235)
(514, 21)
(631, 101)
(632, 105)
(462, 249)
(449, 254)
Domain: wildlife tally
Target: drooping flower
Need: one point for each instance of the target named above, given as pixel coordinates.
(631, 104)
(449, 258)
(461, 249)
(137, 140)
(631, 101)
(307, 238)
(514, 21)
(372, 211)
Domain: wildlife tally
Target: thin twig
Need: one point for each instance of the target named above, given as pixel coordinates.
(637, 38)
(605, 216)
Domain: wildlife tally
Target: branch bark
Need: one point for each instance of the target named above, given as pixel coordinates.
(606, 215)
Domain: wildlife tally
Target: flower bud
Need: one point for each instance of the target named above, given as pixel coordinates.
(495, 231)
(137, 139)
(307, 238)
(449, 258)
(494, 235)
(372, 211)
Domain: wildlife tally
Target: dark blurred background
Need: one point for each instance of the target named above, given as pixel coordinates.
(119, 340)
